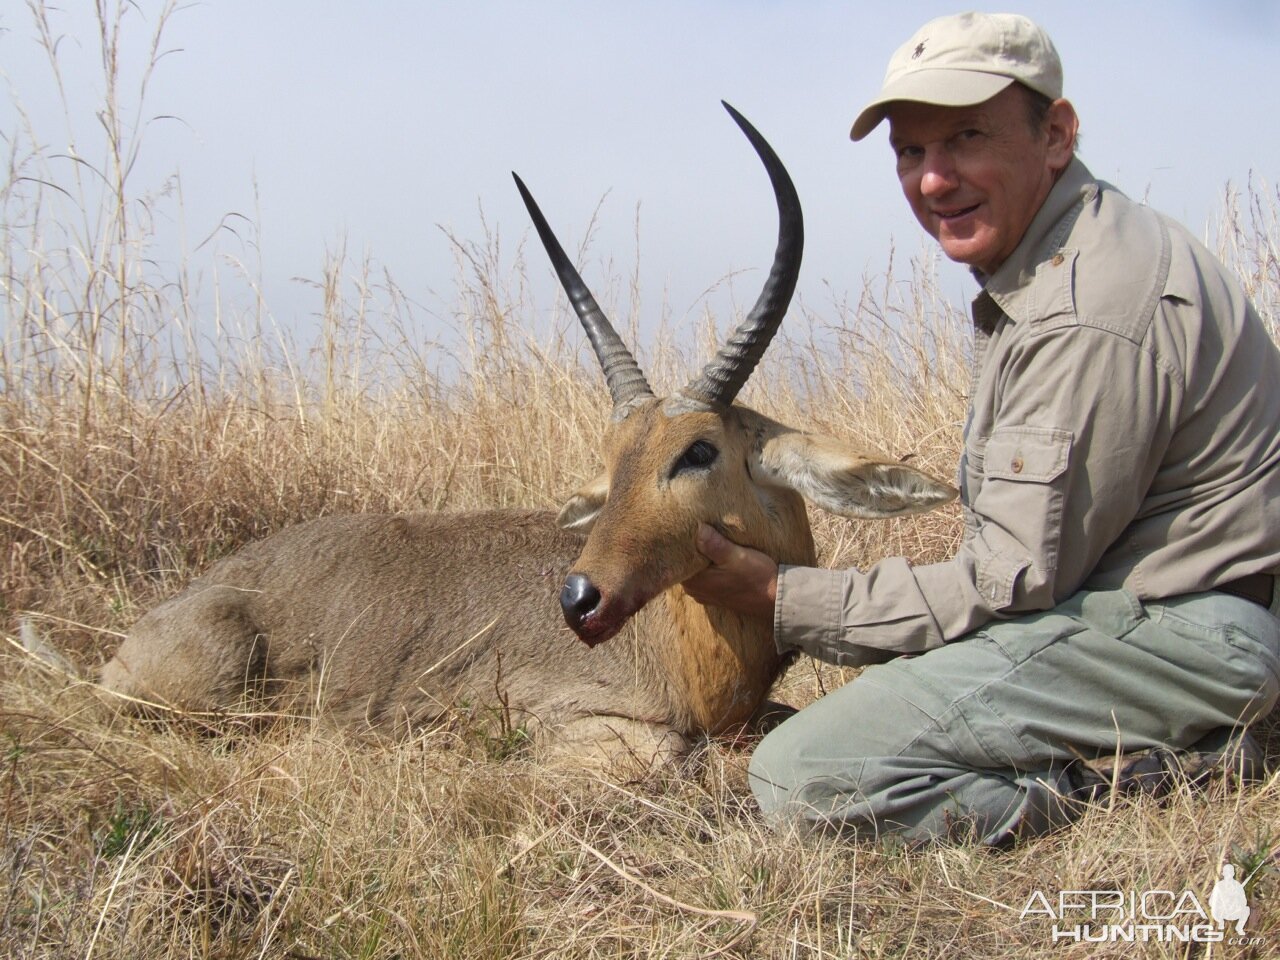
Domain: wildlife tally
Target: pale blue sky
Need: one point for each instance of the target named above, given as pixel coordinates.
(382, 121)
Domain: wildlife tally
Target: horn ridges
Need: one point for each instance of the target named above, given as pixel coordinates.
(722, 378)
(623, 375)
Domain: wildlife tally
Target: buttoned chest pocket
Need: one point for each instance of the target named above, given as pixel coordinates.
(1020, 507)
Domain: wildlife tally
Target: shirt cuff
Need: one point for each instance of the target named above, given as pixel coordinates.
(806, 609)
(852, 618)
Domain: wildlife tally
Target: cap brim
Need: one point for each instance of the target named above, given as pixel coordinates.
(944, 88)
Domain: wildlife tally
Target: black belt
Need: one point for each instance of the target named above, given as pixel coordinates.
(1258, 587)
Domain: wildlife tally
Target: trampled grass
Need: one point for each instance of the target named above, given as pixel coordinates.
(134, 453)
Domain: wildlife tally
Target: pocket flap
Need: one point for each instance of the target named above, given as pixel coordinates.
(1027, 454)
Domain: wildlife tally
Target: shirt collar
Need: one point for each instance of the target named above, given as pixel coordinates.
(1044, 237)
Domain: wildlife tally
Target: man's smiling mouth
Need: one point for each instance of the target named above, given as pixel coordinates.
(956, 213)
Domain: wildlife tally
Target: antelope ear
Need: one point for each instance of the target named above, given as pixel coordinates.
(829, 474)
(581, 509)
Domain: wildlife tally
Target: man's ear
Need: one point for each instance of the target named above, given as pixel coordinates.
(581, 509)
(1063, 128)
(831, 475)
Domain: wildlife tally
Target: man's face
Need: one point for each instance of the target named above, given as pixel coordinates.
(976, 176)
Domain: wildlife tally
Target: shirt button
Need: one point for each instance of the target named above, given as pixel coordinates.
(1016, 465)
(1057, 259)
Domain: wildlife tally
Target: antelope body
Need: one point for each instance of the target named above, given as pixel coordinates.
(393, 622)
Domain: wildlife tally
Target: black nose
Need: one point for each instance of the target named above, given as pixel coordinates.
(578, 600)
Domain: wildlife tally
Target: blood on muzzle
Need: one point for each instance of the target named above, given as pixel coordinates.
(578, 600)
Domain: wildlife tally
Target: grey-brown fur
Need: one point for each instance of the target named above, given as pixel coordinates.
(392, 623)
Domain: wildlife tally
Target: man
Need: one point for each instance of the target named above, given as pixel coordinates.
(1114, 594)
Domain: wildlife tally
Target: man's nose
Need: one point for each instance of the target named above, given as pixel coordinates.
(938, 174)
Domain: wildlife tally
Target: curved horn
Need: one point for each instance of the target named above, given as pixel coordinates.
(724, 376)
(621, 372)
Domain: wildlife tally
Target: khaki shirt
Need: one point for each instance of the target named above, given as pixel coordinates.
(1124, 431)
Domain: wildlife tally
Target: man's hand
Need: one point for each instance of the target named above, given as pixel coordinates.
(739, 578)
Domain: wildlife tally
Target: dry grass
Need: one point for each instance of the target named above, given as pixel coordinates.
(136, 448)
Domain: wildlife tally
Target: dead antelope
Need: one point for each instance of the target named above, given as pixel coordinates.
(396, 621)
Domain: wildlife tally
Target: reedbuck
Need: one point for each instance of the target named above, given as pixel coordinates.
(398, 621)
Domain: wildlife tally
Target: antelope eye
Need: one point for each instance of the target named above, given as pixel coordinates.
(700, 454)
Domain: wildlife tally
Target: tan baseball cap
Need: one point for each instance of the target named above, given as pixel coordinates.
(965, 59)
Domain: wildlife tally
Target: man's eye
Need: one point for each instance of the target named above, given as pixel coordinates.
(699, 455)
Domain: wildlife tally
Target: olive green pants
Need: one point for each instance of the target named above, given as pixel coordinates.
(972, 738)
